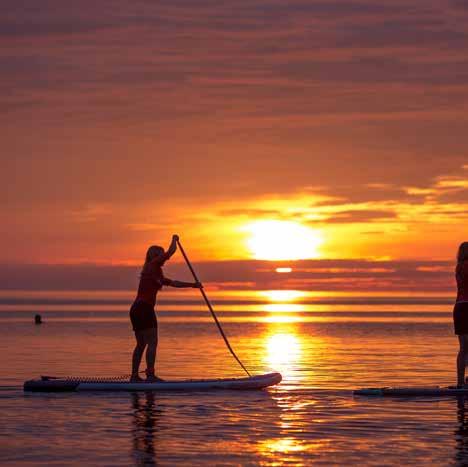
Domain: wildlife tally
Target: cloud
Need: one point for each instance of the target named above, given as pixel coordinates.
(332, 275)
(459, 5)
(91, 212)
(208, 106)
(360, 215)
(251, 213)
(446, 189)
(141, 227)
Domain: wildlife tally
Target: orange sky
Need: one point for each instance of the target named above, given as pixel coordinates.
(121, 127)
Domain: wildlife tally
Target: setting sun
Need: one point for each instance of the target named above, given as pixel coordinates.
(282, 240)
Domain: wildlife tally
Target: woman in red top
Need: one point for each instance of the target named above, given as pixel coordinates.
(460, 311)
(142, 313)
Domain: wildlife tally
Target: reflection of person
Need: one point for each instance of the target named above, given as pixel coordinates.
(461, 434)
(460, 311)
(142, 313)
(145, 427)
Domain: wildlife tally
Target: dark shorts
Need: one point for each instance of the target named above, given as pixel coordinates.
(142, 316)
(460, 318)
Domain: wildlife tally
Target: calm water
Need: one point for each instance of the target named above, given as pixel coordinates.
(323, 345)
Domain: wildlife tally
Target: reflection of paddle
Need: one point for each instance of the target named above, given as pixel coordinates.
(211, 308)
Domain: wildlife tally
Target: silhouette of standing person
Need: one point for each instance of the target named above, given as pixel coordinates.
(142, 313)
(460, 311)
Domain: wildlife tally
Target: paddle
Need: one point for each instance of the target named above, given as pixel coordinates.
(211, 308)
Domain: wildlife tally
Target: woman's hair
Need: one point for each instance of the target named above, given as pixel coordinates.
(462, 252)
(153, 252)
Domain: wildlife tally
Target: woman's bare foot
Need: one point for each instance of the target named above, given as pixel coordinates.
(153, 379)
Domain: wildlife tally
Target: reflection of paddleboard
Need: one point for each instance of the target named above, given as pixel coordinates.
(413, 391)
(51, 384)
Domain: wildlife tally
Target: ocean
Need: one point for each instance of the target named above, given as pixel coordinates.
(324, 344)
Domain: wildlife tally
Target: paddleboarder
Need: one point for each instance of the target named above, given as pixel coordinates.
(460, 312)
(142, 313)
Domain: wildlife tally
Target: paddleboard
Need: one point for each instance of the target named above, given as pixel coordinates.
(52, 384)
(412, 391)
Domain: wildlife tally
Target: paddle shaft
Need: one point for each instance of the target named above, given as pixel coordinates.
(208, 304)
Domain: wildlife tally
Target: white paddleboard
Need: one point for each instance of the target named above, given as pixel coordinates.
(51, 384)
(412, 391)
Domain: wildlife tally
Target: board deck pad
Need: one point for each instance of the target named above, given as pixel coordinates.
(52, 384)
(413, 391)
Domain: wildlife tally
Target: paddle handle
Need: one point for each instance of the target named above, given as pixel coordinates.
(208, 304)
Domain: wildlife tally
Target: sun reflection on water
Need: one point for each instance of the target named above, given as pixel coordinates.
(284, 445)
(286, 348)
(284, 307)
(283, 351)
(288, 451)
(282, 295)
(289, 445)
(282, 319)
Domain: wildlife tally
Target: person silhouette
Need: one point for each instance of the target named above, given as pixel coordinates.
(460, 312)
(142, 313)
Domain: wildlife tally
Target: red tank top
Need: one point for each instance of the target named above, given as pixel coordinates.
(462, 281)
(151, 282)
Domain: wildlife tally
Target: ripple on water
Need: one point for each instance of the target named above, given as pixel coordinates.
(312, 417)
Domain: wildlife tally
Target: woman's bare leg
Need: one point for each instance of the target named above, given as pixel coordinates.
(138, 352)
(151, 340)
(462, 359)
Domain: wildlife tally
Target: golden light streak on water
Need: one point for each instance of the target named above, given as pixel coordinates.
(288, 445)
(284, 308)
(284, 445)
(283, 270)
(282, 319)
(283, 350)
(283, 295)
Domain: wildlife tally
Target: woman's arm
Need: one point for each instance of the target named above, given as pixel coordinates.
(160, 260)
(181, 284)
(172, 247)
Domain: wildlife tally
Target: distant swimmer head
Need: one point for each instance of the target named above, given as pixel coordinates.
(153, 252)
(462, 252)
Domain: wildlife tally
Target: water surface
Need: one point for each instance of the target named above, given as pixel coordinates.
(324, 345)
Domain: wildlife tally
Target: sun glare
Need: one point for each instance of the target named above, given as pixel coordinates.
(282, 240)
(283, 351)
(283, 270)
(282, 295)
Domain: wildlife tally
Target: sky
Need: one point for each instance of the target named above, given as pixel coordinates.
(236, 125)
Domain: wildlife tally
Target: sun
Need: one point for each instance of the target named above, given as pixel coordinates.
(282, 240)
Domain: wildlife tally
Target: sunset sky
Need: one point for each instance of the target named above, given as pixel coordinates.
(333, 130)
